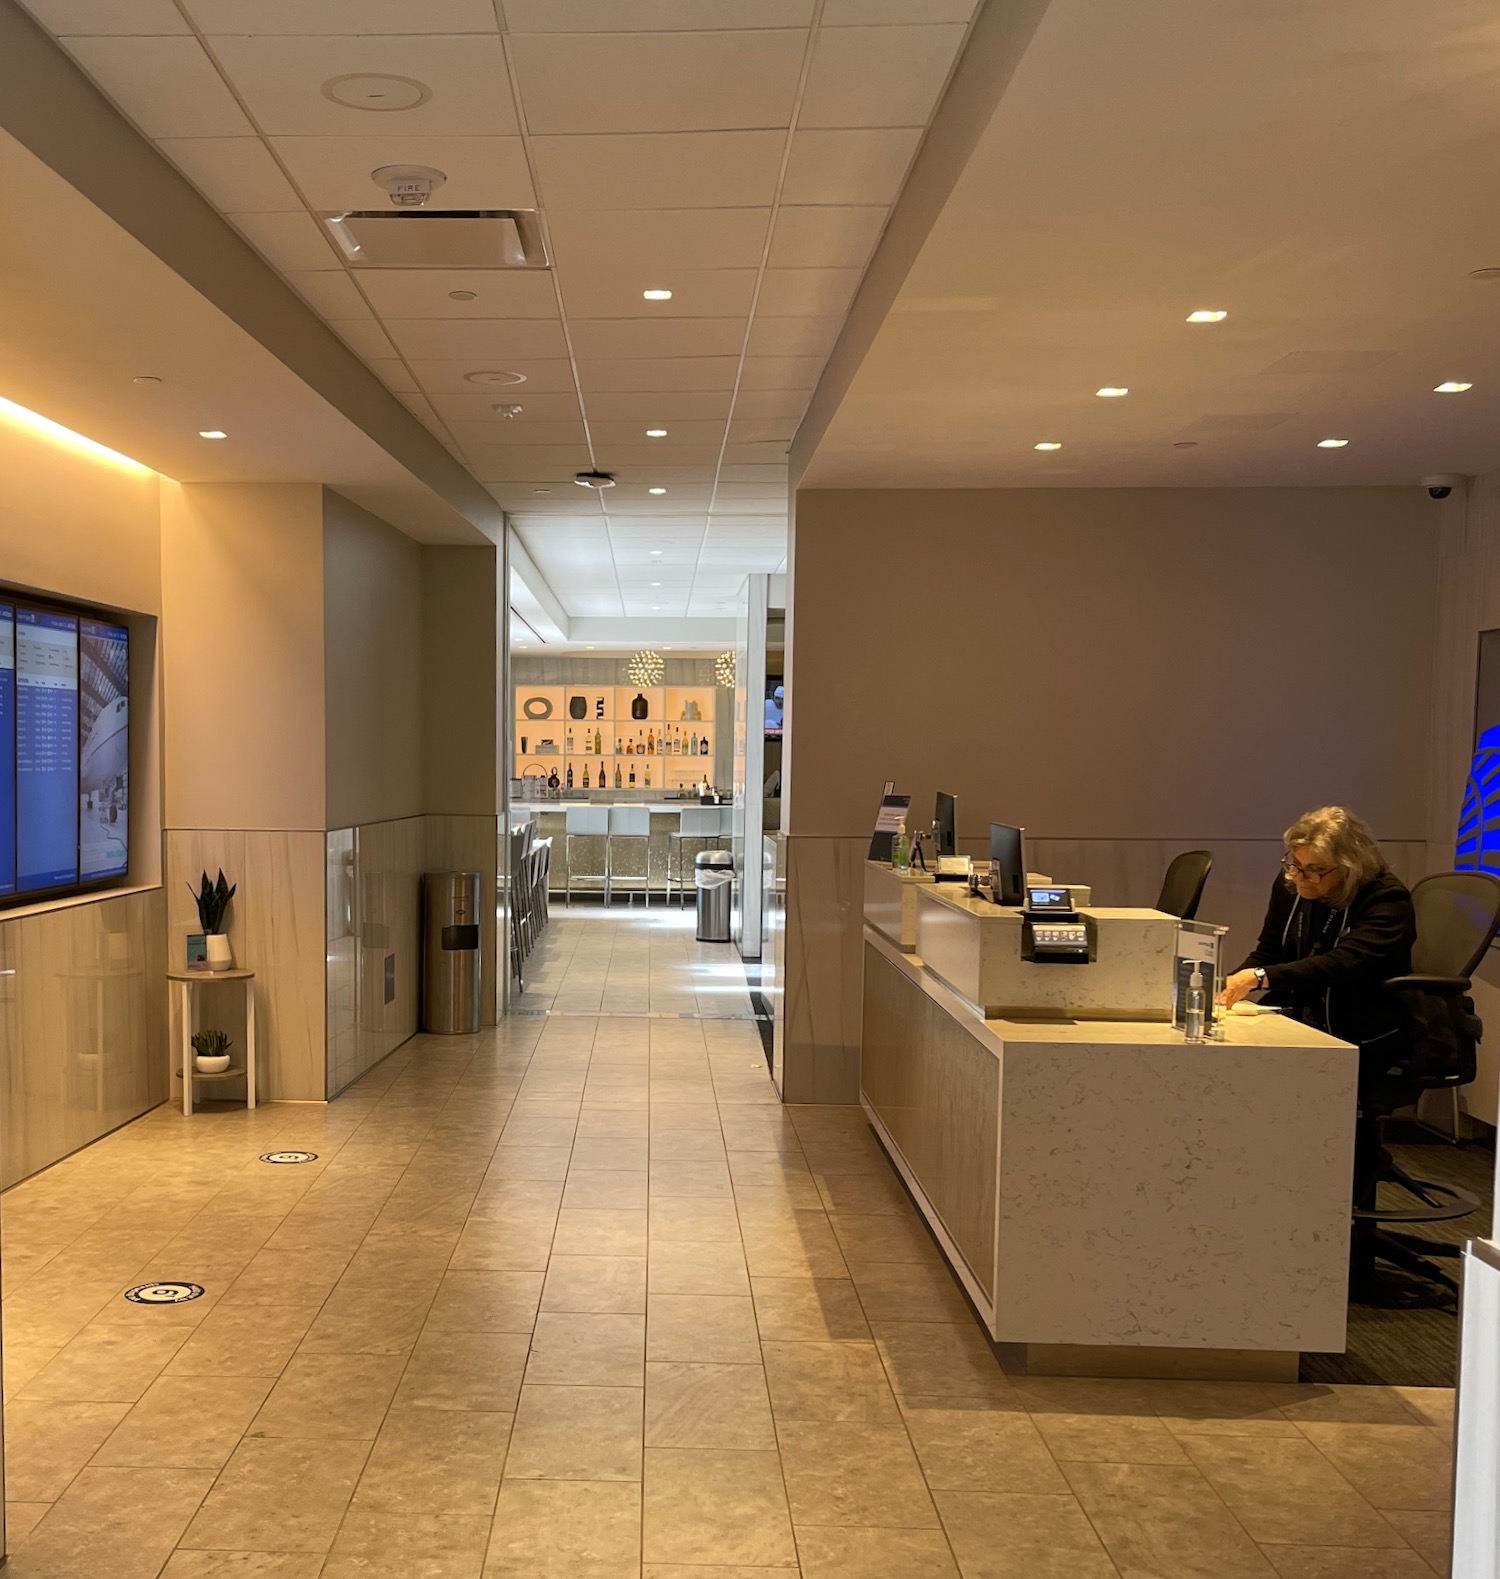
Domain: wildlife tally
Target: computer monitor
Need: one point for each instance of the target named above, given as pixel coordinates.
(945, 824)
(1008, 852)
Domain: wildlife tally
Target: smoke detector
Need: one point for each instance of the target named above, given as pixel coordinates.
(409, 185)
(596, 480)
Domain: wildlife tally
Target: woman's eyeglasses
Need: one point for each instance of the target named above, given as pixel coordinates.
(1313, 874)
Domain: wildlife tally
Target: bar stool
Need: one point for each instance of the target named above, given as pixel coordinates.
(585, 822)
(705, 823)
(628, 822)
(541, 895)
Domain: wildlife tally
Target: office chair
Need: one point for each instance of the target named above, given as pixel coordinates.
(1182, 887)
(1458, 915)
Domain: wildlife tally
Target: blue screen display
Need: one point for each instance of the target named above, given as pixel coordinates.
(7, 749)
(46, 749)
(104, 749)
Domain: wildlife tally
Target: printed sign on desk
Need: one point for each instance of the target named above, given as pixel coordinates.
(1199, 944)
(892, 814)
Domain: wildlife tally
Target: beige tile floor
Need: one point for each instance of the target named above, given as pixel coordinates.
(576, 1299)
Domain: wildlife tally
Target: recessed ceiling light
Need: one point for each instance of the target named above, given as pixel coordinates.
(376, 91)
(1207, 315)
(656, 583)
(657, 296)
(491, 376)
(656, 490)
(656, 433)
(655, 553)
(655, 606)
(520, 644)
(145, 378)
(1485, 274)
(1047, 446)
(1332, 444)
(1112, 391)
(212, 433)
(588, 646)
(1451, 387)
(541, 490)
(462, 296)
(1185, 444)
(666, 649)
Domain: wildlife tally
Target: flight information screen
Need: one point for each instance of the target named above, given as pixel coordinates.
(7, 749)
(46, 777)
(104, 749)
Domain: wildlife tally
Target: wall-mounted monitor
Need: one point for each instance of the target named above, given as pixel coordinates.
(945, 824)
(775, 706)
(64, 749)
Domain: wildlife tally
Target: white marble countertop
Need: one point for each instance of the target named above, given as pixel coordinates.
(651, 805)
(1254, 1030)
(958, 897)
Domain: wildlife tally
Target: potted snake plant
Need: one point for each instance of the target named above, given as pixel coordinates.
(212, 899)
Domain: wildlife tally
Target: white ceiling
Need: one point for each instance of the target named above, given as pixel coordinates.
(742, 153)
(1322, 172)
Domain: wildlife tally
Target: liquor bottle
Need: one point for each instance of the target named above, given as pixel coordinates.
(617, 775)
(650, 742)
(693, 745)
(553, 782)
(598, 744)
(676, 741)
(703, 745)
(632, 775)
(618, 751)
(629, 746)
(570, 742)
(585, 775)
(640, 744)
(648, 775)
(570, 775)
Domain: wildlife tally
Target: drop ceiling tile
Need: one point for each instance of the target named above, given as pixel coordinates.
(849, 167)
(892, 13)
(765, 463)
(107, 17)
(603, 290)
(659, 410)
(331, 293)
(799, 337)
(424, 293)
(167, 86)
(751, 528)
(288, 241)
(365, 338)
(601, 339)
(479, 405)
(611, 16)
(447, 376)
(771, 405)
(522, 430)
(878, 76)
(838, 237)
(394, 375)
(341, 16)
(668, 170)
(334, 172)
(685, 431)
(491, 342)
(781, 372)
(503, 462)
(634, 375)
(635, 243)
(541, 499)
(672, 478)
(284, 83)
(762, 430)
(810, 292)
(657, 82)
(236, 174)
(657, 461)
(631, 501)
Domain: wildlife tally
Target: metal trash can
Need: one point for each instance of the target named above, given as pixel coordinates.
(450, 953)
(713, 877)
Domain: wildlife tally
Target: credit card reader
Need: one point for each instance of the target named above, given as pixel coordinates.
(1052, 931)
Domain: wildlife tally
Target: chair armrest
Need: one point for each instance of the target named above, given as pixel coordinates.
(1439, 986)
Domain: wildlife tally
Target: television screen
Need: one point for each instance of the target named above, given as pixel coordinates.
(104, 751)
(775, 706)
(64, 750)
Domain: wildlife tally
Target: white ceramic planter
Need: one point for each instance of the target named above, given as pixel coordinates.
(220, 956)
(210, 1066)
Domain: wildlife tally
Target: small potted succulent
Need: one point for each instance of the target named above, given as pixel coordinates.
(212, 899)
(211, 1052)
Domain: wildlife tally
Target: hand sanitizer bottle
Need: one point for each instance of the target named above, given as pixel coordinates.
(901, 850)
(1194, 1005)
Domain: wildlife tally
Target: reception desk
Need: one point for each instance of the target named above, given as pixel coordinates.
(1115, 1199)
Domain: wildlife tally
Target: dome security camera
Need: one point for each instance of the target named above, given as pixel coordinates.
(1441, 484)
(595, 479)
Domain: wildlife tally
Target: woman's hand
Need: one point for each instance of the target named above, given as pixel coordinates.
(1238, 986)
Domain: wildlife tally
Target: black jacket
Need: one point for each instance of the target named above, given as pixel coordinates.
(1373, 944)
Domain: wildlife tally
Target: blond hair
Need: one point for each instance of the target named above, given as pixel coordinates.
(1343, 840)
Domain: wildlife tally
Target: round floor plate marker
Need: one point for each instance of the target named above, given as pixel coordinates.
(287, 1157)
(164, 1293)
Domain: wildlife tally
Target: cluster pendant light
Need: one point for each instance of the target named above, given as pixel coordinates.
(646, 668)
(724, 670)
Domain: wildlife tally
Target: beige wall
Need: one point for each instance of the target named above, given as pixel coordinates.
(242, 645)
(1123, 672)
(372, 647)
(460, 697)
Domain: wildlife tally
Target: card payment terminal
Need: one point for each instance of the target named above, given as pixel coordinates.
(1052, 932)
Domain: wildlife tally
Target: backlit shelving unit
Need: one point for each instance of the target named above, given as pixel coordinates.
(683, 744)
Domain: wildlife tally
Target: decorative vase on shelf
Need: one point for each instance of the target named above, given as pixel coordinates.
(578, 707)
(220, 955)
(639, 707)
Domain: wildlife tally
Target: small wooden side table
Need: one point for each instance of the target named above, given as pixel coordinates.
(187, 982)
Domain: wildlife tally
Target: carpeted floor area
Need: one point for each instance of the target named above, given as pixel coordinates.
(1401, 1345)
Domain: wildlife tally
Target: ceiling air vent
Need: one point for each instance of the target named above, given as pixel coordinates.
(455, 238)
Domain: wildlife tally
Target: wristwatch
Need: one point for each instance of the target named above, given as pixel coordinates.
(1260, 977)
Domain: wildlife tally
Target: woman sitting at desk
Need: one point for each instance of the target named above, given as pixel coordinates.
(1338, 926)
